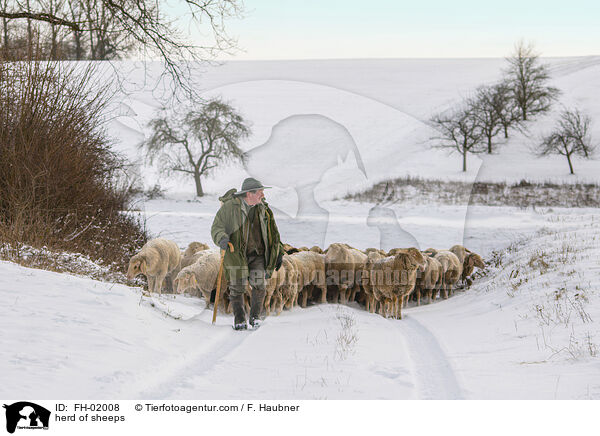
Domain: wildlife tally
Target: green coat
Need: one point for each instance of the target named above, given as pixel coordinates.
(231, 221)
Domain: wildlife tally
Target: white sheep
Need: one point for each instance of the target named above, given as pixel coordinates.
(311, 273)
(451, 269)
(188, 257)
(392, 278)
(428, 281)
(155, 260)
(282, 287)
(468, 259)
(345, 266)
(369, 299)
(201, 276)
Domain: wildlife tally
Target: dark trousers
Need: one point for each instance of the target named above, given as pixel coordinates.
(257, 280)
(256, 277)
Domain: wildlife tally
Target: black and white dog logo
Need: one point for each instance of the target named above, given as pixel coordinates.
(26, 415)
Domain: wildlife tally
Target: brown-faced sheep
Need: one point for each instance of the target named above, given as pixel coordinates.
(345, 266)
(282, 287)
(289, 249)
(310, 267)
(392, 278)
(468, 259)
(369, 298)
(155, 260)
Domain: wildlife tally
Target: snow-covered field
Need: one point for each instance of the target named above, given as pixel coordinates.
(528, 329)
(376, 111)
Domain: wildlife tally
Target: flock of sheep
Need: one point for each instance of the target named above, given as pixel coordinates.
(381, 281)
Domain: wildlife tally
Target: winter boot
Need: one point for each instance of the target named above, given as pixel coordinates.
(239, 314)
(256, 307)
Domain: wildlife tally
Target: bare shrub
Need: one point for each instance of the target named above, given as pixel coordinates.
(58, 185)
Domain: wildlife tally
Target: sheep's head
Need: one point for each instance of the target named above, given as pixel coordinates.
(137, 265)
(417, 259)
(430, 252)
(289, 249)
(410, 259)
(195, 247)
(475, 260)
(185, 280)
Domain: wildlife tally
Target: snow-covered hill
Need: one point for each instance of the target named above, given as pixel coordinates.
(383, 107)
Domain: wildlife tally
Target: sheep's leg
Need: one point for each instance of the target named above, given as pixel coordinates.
(206, 295)
(336, 295)
(268, 304)
(323, 293)
(158, 283)
(304, 297)
(343, 293)
(151, 280)
(169, 283)
(353, 293)
(289, 303)
(399, 313)
(418, 291)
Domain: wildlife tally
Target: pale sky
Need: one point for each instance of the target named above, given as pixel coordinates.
(329, 29)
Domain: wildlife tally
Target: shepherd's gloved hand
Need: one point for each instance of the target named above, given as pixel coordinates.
(223, 243)
(279, 261)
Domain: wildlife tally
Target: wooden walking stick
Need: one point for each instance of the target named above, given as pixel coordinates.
(219, 282)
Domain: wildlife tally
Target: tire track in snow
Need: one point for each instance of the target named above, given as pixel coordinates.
(434, 376)
(164, 383)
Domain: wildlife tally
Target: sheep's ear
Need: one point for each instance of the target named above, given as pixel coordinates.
(143, 267)
(194, 281)
(470, 260)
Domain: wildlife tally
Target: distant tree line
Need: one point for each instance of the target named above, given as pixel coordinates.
(522, 94)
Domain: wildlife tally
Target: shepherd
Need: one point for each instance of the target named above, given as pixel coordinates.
(246, 221)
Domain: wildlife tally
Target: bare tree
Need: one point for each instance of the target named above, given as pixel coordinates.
(143, 24)
(5, 31)
(505, 107)
(528, 79)
(460, 130)
(487, 108)
(570, 137)
(200, 140)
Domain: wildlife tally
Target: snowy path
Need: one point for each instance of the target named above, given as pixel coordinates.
(163, 385)
(434, 376)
